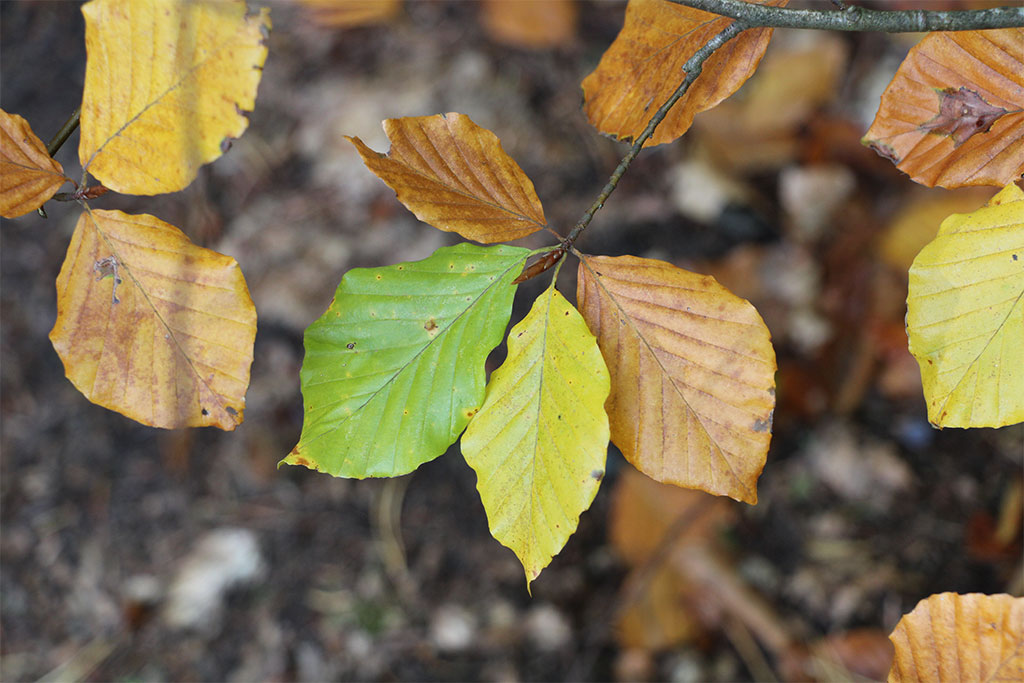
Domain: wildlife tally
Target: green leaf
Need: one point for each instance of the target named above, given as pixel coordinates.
(965, 316)
(538, 444)
(395, 368)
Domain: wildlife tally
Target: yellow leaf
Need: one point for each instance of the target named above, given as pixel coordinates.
(539, 442)
(167, 83)
(692, 370)
(644, 66)
(454, 175)
(152, 326)
(28, 175)
(348, 13)
(965, 316)
(532, 24)
(950, 637)
(953, 114)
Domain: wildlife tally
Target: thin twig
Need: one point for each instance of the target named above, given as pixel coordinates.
(855, 18)
(692, 68)
(64, 133)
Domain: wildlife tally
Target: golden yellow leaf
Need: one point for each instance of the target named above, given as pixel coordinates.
(167, 84)
(153, 326)
(965, 316)
(692, 370)
(644, 66)
(348, 13)
(953, 114)
(28, 175)
(534, 24)
(950, 637)
(454, 175)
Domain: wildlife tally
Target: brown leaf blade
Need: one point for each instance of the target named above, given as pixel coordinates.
(454, 175)
(153, 326)
(953, 115)
(532, 25)
(692, 370)
(644, 66)
(28, 175)
(950, 637)
(350, 13)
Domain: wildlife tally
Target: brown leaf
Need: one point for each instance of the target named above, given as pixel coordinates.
(950, 637)
(692, 371)
(454, 175)
(348, 13)
(645, 513)
(644, 66)
(152, 326)
(954, 113)
(29, 174)
(533, 24)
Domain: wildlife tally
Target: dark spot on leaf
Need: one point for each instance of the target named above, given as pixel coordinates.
(430, 325)
(962, 114)
(763, 425)
(471, 413)
(205, 412)
(597, 475)
(378, 276)
(225, 145)
(401, 267)
(231, 411)
(350, 345)
(1014, 257)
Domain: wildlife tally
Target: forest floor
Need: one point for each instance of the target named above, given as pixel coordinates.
(117, 538)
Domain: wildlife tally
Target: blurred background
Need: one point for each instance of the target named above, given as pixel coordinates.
(130, 553)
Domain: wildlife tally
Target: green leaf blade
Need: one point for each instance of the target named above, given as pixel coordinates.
(539, 443)
(394, 369)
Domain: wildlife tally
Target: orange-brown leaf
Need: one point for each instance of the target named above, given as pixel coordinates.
(153, 326)
(534, 24)
(348, 13)
(953, 114)
(29, 175)
(454, 175)
(950, 637)
(692, 370)
(644, 66)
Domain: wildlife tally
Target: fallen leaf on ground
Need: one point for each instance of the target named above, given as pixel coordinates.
(533, 24)
(349, 13)
(30, 176)
(153, 326)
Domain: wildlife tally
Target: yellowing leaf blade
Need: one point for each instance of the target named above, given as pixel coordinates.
(167, 82)
(644, 66)
(953, 115)
(454, 175)
(965, 316)
(950, 637)
(28, 175)
(394, 369)
(539, 443)
(153, 326)
(692, 373)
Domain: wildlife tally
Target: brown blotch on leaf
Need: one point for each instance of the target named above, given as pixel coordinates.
(470, 413)
(231, 411)
(962, 114)
(430, 326)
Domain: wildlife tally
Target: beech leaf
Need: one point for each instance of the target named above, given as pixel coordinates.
(394, 369)
(953, 114)
(692, 371)
(965, 316)
(167, 84)
(533, 25)
(454, 175)
(29, 176)
(349, 13)
(153, 326)
(644, 66)
(950, 637)
(539, 443)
